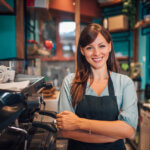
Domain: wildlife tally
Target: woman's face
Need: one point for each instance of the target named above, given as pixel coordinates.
(97, 52)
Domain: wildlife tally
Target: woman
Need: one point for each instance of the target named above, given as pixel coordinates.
(98, 107)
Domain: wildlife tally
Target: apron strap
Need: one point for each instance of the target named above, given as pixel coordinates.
(110, 86)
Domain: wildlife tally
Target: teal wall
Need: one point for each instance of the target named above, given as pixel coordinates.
(144, 41)
(8, 35)
(122, 41)
(142, 57)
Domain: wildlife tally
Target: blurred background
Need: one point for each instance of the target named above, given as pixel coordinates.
(39, 37)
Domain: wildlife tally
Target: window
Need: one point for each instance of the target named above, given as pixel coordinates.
(67, 37)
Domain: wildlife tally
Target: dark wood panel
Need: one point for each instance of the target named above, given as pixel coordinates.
(85, 7)
(77, 21)
(136, 36)
(20, 29)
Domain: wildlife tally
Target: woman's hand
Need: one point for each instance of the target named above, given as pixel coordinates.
(67, 120)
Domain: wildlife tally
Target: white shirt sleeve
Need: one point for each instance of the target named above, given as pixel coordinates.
(65, 100)
(129, 110)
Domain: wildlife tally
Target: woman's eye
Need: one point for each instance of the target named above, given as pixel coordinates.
(101, 46)
(88, 48)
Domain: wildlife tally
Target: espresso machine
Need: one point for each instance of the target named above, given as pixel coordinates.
(18, 108)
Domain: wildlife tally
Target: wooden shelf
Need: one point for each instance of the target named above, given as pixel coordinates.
(146, 24)
(142, 24)
(53, 58)
(119, 30)
(5, 7)
(114, 2)
(122, 58)
(72, 58)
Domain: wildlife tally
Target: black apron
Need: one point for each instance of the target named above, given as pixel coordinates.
(98, 108)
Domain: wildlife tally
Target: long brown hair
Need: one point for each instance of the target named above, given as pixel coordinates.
(83, 70)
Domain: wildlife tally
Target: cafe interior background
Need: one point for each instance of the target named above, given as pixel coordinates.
(38, 38)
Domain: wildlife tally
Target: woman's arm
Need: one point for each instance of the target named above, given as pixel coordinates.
(114, 129)
(86, 137)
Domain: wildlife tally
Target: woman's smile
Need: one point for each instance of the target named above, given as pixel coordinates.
(97, 60)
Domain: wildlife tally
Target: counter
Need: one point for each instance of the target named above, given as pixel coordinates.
(142, 138)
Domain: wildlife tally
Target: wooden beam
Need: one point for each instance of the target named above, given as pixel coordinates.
(135, 45)
(77, 21)
(136, 36)
(20, 29)
(59, 51)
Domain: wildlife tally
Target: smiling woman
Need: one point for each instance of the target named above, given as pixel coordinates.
(97, 106)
